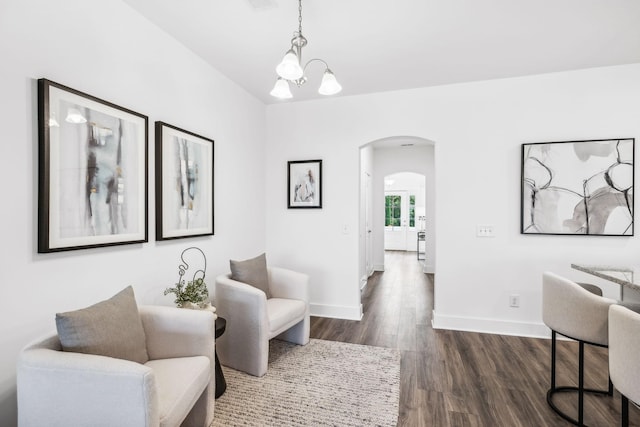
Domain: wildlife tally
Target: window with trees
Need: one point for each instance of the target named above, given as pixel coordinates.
(412, 211)
(393, 211)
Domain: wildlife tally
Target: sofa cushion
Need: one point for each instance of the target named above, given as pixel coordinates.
(180, 382)
(109, 328)
(252, 272)
(284, 313)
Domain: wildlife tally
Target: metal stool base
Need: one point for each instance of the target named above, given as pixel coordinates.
(580, 390)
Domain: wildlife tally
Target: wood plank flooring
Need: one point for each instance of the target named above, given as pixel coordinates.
(452, 378)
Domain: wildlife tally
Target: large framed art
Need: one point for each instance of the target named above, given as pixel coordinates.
(304, 184)
(92, 178)
(578, 187)
(184, 183)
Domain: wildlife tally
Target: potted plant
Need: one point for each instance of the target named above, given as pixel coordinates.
(191, 294)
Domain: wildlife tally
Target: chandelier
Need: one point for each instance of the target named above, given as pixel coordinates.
(290, 69)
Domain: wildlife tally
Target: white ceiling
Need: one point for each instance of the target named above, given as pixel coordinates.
(382, 45)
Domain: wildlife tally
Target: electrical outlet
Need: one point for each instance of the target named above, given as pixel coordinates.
(514, 301)
(484, 230)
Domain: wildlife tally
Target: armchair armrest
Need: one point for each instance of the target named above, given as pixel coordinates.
(82, 389)
(245, 309)
(235, 299)
(285, 283)
(177, 332)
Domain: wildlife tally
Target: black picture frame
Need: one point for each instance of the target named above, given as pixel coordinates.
(304, 184)
(92, 171)
(580, 187)
(184, 183)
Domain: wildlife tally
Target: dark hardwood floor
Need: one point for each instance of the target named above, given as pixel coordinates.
(452, 378)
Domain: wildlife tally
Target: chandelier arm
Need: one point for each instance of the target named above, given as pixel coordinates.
(312, 60)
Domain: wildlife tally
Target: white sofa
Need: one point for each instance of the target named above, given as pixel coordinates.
(175, 387)
(253, 319)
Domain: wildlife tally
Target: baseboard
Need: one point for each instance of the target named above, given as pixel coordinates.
(428, 268)
(336, 311)
(490, 326)
(378, 267)
(363, 283)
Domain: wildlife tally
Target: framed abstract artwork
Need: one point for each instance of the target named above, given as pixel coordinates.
(184, 183)
(578, 187)
(92, 177)
(304, 184)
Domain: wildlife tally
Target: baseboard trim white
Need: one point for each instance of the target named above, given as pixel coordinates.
(490, 326)
(363, 284)
(378, 267)
(336, 311)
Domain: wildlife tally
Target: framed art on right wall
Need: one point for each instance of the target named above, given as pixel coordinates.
(578, 187)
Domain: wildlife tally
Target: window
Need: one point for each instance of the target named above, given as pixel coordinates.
(412, 211)
(392, 211)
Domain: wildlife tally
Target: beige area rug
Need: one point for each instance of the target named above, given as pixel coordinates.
(324, 383)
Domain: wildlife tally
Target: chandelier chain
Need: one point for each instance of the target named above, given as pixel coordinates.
(300, 17)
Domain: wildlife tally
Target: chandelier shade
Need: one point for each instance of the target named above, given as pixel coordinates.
(329, 85)
(290, 69)
(281, 89)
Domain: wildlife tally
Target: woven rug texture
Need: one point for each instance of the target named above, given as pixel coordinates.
(324, 383)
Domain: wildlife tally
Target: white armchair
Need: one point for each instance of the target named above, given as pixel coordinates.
(174, 388)
(252, 319)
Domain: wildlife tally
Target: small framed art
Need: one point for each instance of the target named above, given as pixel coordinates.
(578, 187)
(184, 183)
(92, 171)
(304, 184)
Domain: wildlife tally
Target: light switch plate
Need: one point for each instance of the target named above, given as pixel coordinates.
(484, 230)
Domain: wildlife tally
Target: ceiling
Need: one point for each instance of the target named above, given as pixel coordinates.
(383, 45)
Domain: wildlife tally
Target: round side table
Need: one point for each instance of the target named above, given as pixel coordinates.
(221, 384)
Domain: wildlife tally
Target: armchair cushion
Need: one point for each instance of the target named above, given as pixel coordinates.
(109, 328)
(284, 313)
(180, 383)
(252, 272)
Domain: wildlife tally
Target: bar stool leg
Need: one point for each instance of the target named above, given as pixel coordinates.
(581, 385)
(553, 360)
(610, 387)
(625, 411)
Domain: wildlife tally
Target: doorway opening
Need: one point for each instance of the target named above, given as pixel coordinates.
(396, 213)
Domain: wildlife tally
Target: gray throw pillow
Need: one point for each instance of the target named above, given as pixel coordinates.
(252, 272)
(109, 328)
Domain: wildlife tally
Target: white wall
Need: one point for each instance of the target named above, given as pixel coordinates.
(477, 129)
(108, 50)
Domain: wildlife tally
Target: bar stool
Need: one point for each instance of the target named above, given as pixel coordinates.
(570, 310)
(624, 347)
(591, 288)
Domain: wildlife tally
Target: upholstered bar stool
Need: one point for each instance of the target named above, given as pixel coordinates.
(571, 310)
(596, 290)
(624, 348)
